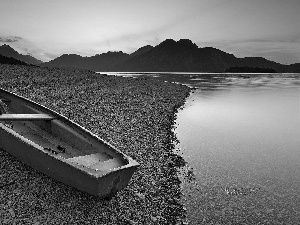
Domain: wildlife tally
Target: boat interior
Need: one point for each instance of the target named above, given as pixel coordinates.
(57, 137)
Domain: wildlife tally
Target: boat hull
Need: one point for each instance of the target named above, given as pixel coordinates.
(102, 183)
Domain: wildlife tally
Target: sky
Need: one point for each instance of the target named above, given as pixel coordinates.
(47, 29)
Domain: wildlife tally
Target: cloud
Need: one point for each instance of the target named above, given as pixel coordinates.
(24, 46)
(9, 39)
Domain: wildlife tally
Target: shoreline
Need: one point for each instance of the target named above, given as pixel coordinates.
(135, 114)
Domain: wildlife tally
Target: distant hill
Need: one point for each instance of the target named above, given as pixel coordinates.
(10, 60)
(247, 69)
(8, 51)
(168, 56)
(294, 68)
(102, 62)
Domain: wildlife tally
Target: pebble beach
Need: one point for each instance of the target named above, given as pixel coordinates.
(134, 114)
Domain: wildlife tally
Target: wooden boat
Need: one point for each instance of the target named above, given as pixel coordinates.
(62, 149)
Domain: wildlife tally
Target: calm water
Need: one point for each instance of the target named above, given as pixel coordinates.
(240, 135)
(241, 138)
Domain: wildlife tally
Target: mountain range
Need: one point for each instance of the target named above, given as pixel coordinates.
(168, 56)
(8, 51)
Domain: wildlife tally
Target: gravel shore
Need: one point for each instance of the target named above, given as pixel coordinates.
(134, 114)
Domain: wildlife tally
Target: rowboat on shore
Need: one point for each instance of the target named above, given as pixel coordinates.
(62, 149)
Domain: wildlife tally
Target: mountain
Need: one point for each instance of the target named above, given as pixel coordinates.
(168, 56)
(66, 60)
(10, 60)
(8, 51)
(247, 69)
(180, 56)
(101, 62)
(141, 50)
(106, 61)
(294, 68)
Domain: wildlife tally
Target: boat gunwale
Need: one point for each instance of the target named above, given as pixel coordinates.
(89, 171)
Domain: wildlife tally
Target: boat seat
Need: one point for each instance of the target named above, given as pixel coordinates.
(88, 160)
(25, 117)
(107, 165)
(98, 161)
(5, 99)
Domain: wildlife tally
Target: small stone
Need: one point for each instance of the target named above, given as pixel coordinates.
(140, 195)
(131, 222)
(153, 218)
(12, 213)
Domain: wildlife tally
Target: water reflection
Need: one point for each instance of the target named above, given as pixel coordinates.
(215, 80)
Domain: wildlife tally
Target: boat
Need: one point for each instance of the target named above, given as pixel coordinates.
(62, 149)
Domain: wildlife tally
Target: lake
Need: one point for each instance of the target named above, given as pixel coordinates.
(239, 134)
